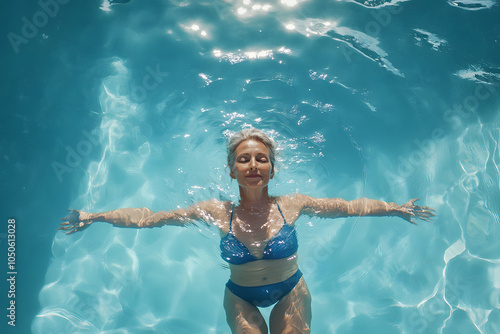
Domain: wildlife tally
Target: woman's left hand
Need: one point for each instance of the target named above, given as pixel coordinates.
(409, 210)
(77, 220)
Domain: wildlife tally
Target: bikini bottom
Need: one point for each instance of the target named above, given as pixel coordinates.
(265, 295)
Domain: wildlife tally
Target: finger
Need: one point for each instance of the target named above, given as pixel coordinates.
(426, 208)
(430, 215)
(411, 213)
(424, 217)
(73, 231)
(414, 200)
(66, 223)
(409, 220)
(66, 227)
(423, 208)
(424, 214)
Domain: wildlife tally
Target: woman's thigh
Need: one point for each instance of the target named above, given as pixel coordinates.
(242, 316)
(292, 314)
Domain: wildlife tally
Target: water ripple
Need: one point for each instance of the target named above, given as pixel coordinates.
(376, 3)
(472, 4)
(432, 39)
(361, 42)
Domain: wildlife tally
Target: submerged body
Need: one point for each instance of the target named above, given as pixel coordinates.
(264, 271)
(258, 236)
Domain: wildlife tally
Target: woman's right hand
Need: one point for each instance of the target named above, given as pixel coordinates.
(409, 210)
(77, 220)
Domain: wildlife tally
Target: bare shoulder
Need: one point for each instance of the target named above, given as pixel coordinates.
(217, 209)
(292, 205)
(322, 207)
(219, 213)
(294, 202)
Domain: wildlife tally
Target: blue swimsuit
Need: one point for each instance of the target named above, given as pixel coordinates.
(281, 245)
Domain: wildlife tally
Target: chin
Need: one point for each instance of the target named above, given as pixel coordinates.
(257, 185)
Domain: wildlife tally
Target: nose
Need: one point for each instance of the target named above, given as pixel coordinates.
(253, 164)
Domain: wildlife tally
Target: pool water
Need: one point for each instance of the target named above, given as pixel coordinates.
(112, 104)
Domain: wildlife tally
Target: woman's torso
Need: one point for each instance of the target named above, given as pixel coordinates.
(255, 230)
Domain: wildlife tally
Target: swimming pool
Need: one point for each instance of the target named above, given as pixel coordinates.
(129, 105)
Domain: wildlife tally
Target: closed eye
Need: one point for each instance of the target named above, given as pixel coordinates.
(260, 158)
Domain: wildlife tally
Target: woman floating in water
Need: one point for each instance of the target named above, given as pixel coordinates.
(258, 237)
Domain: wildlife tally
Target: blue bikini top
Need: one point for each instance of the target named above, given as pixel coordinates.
(283, 244)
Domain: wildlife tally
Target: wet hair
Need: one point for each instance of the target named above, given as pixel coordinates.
(246, 134)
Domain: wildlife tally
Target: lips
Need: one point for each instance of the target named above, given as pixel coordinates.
(253, 175)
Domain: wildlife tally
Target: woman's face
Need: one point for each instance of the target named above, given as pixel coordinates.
(252, 167)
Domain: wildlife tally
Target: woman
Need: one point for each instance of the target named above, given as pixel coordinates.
(258, 237)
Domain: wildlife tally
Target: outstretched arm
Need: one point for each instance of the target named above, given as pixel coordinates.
(337, 207)
(79, 220)
(407, 211)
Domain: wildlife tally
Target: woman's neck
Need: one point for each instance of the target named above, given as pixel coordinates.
(253, 198)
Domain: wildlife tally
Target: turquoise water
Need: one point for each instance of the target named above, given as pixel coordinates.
(109, 105)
